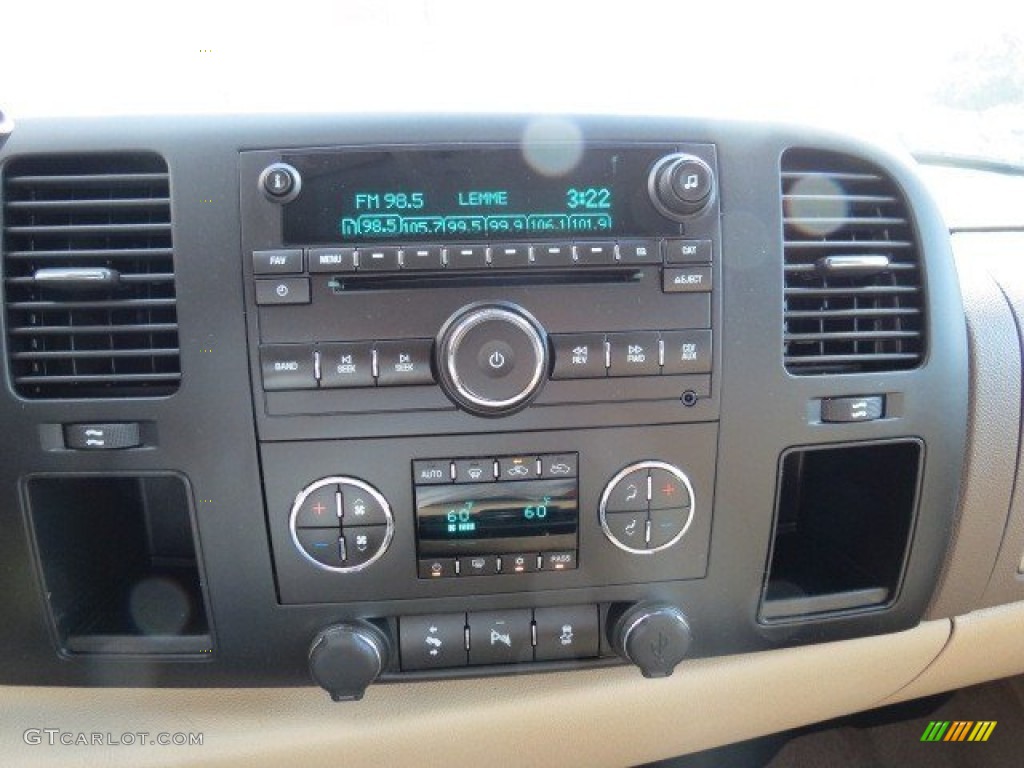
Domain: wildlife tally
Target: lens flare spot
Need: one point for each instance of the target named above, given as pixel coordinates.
(816, 206)
(552, 146)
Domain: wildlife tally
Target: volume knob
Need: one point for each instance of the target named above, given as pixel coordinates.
(681, 186)
(492, 358)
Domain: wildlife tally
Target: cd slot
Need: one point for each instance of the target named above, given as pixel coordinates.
(570, 276)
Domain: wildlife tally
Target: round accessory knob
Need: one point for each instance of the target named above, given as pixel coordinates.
(345, 658)
(492, 358)
(681, 186)
(654, 636)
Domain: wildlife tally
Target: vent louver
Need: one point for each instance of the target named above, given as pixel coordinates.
(89, 276)
(853, 290)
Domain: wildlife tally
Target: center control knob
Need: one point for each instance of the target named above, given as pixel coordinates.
(492, 358)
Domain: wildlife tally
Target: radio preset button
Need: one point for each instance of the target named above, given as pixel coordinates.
(383, 259)
(346, 364)
(474, 471)
(559, 465)
(405, 362)
(320, 509)
(552, 255)
(423, 257)
(517, 468)
(596, 254)
(500, 637)
(287, 290)
(510, 255)
(579, 356)
(287, 366)
(687, 352)
(436, 567)
(431, 472)
(634, 354)
(432, 642)
(324, 545)
(281, 261)
(640, 252)
(466, 256)
(567, 632)
(332, 259)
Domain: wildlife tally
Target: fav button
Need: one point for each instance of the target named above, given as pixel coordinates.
(277, 262)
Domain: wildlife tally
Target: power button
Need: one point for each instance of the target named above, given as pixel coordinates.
(496, 359)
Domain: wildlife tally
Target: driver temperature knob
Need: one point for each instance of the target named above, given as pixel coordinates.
(345, 658)
(681, 186)
(654, 636)
(492, 358)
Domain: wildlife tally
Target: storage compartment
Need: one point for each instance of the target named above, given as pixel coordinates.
(844, 518)
(119, 565)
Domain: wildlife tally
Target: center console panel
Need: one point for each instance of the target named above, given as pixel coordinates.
(457, 403)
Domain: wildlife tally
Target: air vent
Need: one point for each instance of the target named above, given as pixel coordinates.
(854, 298)
(89, 276)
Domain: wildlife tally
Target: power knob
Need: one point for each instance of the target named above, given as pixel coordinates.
(681, 186)
(654, 636)
(345, 658)
(492, 358)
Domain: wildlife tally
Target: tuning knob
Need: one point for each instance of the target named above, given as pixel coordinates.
(654, 636)
(681, 186)
(345, 658)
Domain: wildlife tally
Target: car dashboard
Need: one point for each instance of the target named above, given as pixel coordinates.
(493, 427)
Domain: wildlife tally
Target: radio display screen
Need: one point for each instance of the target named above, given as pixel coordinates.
(489, 193)
(496, 518)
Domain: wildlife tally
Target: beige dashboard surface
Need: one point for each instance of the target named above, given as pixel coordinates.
(609, 717)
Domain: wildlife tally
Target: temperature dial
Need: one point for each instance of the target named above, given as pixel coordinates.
(681, 186)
